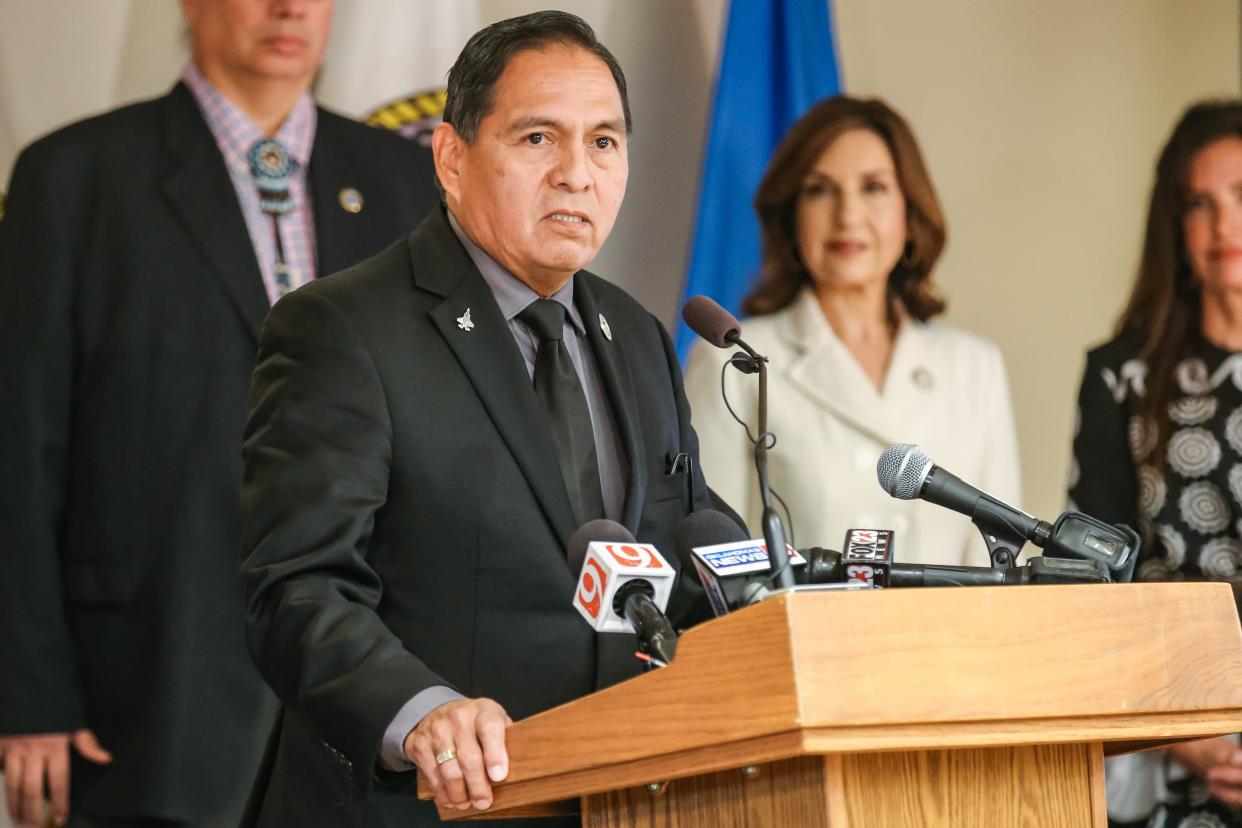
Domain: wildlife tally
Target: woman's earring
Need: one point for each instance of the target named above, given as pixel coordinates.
(908, 256)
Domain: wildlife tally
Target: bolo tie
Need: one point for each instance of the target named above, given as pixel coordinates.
(272, 168)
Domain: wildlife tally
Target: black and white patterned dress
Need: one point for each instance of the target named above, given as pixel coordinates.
(1186, 503)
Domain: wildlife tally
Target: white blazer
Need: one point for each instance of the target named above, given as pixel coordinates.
(946, 390)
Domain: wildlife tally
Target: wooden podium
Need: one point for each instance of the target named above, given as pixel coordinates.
(953, 707)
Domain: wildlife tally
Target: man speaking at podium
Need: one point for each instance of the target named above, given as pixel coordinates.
(427, 430)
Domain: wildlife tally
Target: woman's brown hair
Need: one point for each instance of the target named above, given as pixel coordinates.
(776, 202)
(1164, 309)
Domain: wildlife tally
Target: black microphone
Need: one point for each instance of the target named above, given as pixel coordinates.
(706, 318)
(635, 596)
(826, 567)
(705, 527)
(603, 530)
(726, 590)
(721, 328)
(906, 473)
(712, 322)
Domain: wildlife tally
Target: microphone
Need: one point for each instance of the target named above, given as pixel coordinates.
(735, 571)
(623, 586)
(601, 529)
(712, 322)
(868, 562)
(721, 328)
(705, 527)
(826, 567)
(906, 472)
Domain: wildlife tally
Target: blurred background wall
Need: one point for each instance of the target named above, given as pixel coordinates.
(1040, 122)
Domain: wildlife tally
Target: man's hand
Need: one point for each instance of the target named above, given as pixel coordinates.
(1217, 760)
(473, 731)
(29, 759)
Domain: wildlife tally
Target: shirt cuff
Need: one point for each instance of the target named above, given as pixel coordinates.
(392, 748)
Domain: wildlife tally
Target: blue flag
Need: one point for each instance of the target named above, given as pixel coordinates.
(778, 61)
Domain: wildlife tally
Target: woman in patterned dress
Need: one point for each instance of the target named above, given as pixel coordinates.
(1159, 442)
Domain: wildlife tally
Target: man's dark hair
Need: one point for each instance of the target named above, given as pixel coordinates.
(472, 80)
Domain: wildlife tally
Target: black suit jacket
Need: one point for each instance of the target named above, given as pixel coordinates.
(130, 307)
(406, 520)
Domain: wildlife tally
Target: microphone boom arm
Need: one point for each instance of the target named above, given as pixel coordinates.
(773, 531)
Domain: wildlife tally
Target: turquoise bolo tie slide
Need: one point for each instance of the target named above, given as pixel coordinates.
(271, 167)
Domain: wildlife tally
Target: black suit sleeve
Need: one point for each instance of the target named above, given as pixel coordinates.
(317, 451)
(40, 689)
(1103, 482)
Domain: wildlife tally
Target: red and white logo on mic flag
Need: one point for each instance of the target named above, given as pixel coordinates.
(591, 587)
(635, 555)
(606, 568)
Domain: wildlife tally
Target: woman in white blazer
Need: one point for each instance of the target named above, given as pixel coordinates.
(851, 231)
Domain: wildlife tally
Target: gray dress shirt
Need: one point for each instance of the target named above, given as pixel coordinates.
(513, 295)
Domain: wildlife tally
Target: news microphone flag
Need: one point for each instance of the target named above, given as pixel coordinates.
(720, 566)
(607, 567)
(777, 61)
(867, 556)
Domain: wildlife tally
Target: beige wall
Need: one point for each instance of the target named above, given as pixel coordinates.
(1040, 121)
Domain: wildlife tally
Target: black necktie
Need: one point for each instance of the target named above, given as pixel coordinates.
(557, 386)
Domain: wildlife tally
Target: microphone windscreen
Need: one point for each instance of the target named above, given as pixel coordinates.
(607, 531)
(710, 321)
(706, 527)
(901, 470)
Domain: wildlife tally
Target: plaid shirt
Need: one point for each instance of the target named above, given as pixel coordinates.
(235, 134)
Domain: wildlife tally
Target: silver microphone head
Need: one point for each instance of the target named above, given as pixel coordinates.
(901, 469)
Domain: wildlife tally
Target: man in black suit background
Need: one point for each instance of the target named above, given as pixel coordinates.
(427, 430)
(138, 256)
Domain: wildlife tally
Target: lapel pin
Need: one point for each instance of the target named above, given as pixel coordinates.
(464, 322)
(603, 326)
(351, 200)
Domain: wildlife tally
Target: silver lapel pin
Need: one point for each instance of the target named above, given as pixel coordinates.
(603, 326)
(464, 322)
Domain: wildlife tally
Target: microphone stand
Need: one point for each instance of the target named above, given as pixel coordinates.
(773, 529)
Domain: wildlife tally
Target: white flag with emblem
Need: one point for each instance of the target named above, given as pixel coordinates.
(388, 60)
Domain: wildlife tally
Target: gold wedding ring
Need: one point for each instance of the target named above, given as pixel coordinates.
(446, 756)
